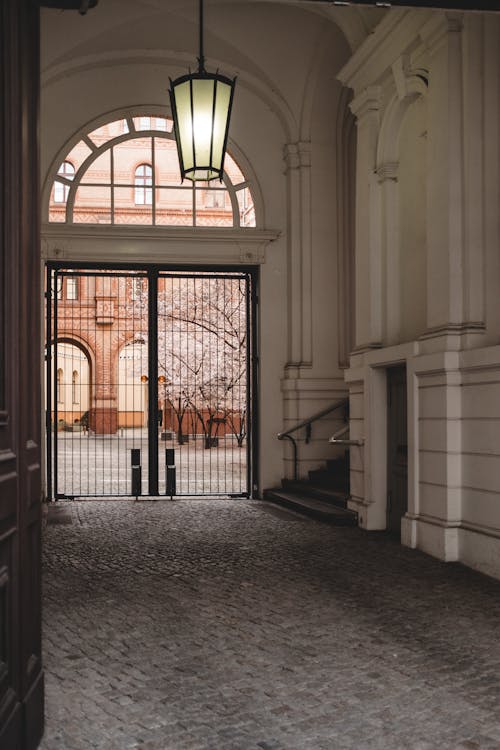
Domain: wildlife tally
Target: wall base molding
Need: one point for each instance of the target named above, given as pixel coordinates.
(431, 535)
(477, 547)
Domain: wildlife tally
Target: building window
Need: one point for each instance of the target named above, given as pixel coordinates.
(136, 289)
(59, 389)
(61, 190)
(71, 287)
(143, 179)
(74, 388)
(215, 199)
(145, 123)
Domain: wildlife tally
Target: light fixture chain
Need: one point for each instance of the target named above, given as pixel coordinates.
(201, 58)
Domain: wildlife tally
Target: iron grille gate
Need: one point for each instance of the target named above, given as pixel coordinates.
(151, 381)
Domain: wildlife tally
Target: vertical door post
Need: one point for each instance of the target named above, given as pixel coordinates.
(153, 381)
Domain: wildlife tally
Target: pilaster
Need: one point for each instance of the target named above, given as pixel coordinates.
(388, 180)
(298, 171)
(369, 292)
(445, 194)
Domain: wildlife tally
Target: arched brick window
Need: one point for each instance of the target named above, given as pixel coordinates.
(74, 388)
(143, 180)
(127, 172)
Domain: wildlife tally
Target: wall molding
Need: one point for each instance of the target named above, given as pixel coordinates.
(156, 244)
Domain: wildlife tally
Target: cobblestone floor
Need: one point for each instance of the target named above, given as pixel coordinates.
(217, 625)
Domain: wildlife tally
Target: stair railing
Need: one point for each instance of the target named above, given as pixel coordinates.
(342, 403)
(337, 438)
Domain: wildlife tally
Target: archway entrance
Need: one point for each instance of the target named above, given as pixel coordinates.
(151, 381)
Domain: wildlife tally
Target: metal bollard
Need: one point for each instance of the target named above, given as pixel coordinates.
(170, 471)
(135, 460)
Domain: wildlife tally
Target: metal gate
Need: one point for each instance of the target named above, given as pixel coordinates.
(151, 381)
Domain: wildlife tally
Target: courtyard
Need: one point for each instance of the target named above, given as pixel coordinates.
(100, 465)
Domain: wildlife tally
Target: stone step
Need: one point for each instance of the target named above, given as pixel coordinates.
(338, 464)
(327, 494)
(325, 478)
(313, 507)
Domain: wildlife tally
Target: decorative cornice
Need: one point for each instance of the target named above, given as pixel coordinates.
(434, 32)
(395, 35)
(156, 244)
(453, 329)
(363, 348)
(369, 100)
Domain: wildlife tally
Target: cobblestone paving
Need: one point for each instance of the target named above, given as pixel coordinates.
(225, 624)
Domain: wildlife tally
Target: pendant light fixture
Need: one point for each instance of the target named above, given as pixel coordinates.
(201, 107)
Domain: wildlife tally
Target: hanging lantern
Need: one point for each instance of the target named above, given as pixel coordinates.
(201, 107)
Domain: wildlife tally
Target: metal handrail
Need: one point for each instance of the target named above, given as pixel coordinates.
(336, 438)
(305, 422)
(287, 434)
(340, 433)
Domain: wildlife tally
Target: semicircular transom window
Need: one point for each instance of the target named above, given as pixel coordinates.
(127, 172)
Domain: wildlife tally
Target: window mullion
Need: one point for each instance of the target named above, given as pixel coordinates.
(112, 186)
(153, 180)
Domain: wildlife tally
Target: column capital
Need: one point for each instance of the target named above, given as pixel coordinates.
(388, 171)
(368, 101)
(409, 83)
(297, 155)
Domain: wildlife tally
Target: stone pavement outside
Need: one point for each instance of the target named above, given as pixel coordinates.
(89, 464)
(229, 625)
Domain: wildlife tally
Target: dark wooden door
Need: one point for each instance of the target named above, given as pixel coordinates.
(21, 676)
(397, 448)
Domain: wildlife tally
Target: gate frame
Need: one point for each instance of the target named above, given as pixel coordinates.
(152, 271)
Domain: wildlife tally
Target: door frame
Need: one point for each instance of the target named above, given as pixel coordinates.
(367, 381)
(153, 271)
(389, 466)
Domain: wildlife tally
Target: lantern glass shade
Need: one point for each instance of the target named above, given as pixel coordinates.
(201, 108)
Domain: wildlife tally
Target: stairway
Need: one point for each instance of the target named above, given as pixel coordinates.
(322, 496)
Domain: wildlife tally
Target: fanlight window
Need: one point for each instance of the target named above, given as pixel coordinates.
(127, 172)
(61, 189)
